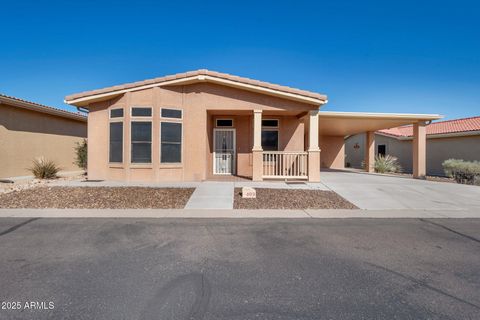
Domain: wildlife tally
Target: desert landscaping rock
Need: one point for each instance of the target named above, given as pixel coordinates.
(291, 199)
(97, 198)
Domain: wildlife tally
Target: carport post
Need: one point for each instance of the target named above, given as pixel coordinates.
(370, 151)
(313, 148)
(419, 149)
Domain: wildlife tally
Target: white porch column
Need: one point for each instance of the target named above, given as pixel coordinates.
(257, 151)
(369, 151)
(419, 150)
(313, 148)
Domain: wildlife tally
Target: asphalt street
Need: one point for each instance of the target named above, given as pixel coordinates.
(239, 268)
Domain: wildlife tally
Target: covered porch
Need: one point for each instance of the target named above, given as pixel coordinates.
(263, 144)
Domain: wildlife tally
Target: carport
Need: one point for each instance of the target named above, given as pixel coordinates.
(344, 124)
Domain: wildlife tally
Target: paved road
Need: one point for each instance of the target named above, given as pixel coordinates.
(241, 269)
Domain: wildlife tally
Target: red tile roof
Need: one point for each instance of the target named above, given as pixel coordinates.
(204, 72)
(41, 108)
(440, 127)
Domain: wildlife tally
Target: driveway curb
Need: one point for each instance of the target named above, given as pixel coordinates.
(235, 214)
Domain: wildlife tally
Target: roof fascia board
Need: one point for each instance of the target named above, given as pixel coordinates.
(83, 101)
(385, 116)
(46, 109)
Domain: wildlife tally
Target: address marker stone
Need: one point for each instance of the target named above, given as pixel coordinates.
(249, 192)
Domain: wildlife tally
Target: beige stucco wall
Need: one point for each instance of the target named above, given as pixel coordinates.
(332, 153)
(438, 150)
(201, 104)
(26, 135)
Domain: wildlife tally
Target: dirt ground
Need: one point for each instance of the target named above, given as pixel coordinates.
(291, 199)
(97, 198)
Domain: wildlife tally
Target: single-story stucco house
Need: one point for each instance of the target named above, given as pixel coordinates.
(30, 130)
(204, 125)
(457, 139)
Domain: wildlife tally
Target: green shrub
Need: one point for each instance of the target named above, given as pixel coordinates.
(466, 172)
(384, 164)
(81, 154)
(44, 169)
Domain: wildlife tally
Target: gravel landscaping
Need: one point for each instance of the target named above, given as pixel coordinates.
(291, 199)
(97, 198)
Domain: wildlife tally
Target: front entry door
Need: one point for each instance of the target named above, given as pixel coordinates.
(224, 151)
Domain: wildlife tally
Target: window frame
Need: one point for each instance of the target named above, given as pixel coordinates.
(160, 144)
(114, 120)
(141, 107)
(141, 119)
(172, 108)
(231, 119)
(123, 144)
(269, 128)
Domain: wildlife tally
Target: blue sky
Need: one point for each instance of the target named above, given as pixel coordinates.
(378, 56)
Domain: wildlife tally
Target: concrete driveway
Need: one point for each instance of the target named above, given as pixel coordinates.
(372, 191)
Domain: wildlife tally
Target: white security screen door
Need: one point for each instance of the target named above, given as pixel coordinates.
(224, 151)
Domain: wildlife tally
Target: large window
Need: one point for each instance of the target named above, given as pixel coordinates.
(171, 142)
(141, 141)
(270, 134)
(116, 142)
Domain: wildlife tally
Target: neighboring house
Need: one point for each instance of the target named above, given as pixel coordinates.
(30, 130)
(458, 139)
(203, 125)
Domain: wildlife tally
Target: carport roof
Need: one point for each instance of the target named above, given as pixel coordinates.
(333, 123)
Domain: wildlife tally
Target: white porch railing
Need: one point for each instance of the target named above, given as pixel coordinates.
(285, 164)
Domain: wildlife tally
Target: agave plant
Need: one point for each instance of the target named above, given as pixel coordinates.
(44, 169)
(388, 163)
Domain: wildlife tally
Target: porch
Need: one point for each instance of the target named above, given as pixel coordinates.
(259, 145)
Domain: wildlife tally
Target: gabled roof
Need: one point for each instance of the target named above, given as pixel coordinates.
(25, 104)
(79, 99)
(438, 128)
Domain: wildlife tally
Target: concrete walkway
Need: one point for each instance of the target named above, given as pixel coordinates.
(212, 195)
(228, 213)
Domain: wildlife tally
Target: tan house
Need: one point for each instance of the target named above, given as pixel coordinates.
(458, 139)
(30, 130)
(204, 125)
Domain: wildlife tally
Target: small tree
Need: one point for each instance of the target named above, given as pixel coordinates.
(81, 154)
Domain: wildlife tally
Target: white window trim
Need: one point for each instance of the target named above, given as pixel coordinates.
(167, 164)
(231, 119)
(116, 118)
(123, 142)
(270, 127)
(173, 119)
(277, 128)
(141, 117)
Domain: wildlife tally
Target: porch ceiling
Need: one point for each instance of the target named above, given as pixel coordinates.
(238, 112)
(350, 123)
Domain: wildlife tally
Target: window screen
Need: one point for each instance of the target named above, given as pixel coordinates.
(141, 142)
(270, 140)
(224, 123)
(270, 123)
(171, 113)
(116, 142)
(141, 112)
(116, 113)
(171, 142)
